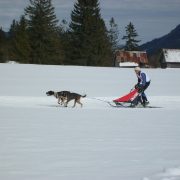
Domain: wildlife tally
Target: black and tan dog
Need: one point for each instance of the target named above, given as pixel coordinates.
(66, 95)
(61, 96)
(77, 97)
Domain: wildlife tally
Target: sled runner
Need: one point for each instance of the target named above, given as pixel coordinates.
(130, 106)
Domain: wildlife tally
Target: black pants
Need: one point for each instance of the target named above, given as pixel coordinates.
(143, 95)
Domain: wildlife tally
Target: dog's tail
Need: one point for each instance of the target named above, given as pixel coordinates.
(83, 96)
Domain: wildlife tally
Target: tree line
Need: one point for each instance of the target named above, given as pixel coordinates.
(36, 38)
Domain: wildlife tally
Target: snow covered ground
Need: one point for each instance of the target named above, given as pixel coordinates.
(40, 140)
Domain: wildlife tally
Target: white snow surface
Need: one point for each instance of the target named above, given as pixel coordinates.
(40, 140)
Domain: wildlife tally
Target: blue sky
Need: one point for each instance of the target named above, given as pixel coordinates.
(151, 18)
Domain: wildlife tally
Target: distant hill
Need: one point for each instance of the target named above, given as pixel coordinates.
(169, 41)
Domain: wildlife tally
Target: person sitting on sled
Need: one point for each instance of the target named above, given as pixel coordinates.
(142, 85)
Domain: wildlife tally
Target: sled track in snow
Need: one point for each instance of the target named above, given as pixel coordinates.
(88, 103)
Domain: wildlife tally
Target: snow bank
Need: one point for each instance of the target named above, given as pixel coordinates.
(166, 174)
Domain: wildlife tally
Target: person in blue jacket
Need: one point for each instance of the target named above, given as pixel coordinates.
(142, 85)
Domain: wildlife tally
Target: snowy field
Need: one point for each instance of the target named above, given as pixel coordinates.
(40, 140)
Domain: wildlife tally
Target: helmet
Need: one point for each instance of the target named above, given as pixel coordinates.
(138, 69)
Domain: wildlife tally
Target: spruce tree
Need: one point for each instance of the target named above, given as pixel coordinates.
(3, 43)
(88, 35)
(64, 35)
(20, 49)
(130, 37)
(42, 27)
(12, 34)
(113, 34)
(13, 28)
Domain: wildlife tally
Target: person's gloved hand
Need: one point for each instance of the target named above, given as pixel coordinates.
(140, 89)
(137, 86)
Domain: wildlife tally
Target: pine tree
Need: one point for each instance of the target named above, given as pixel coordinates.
(113, 34)
(42, 26)
(12, 34)
(131, 34)
(20, 49)
(88, 35)
(3, 50)
(64, 35)
(13, 28)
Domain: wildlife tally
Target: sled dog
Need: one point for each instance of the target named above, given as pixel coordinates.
(77, 97)
(61, 96)
(66, 95)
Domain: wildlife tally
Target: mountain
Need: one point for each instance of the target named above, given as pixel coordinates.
(169, 41)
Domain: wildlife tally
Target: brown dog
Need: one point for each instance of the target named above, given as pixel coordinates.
(61, 96)
(77, 97)
(66, 95)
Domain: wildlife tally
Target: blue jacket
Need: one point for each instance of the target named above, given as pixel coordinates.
(143, 78)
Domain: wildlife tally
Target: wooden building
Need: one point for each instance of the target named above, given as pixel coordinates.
(170, 58)
(130, 58)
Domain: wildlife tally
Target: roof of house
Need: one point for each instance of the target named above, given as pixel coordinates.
(172, 55)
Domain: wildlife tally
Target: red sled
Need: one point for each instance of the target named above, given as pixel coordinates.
(128, 98)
